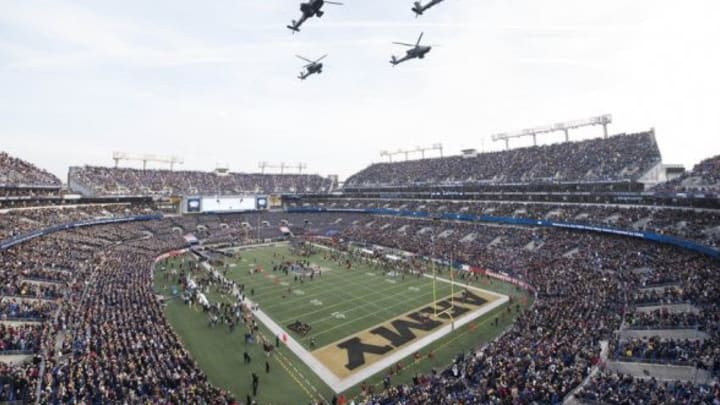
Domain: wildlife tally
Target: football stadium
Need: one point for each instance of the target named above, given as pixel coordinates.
(573, 262)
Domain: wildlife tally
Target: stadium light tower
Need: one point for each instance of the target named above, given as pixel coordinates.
(172, 160)
(603, 120)
(282, 166)
(416, 149)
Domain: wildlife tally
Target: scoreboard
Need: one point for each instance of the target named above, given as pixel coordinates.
(223, 204)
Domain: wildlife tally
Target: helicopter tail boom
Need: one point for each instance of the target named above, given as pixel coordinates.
(417, 8)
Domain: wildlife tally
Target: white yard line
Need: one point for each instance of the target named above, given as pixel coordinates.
(387, 294)
(372, 313)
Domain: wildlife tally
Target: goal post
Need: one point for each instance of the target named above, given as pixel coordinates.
(434, 286)
(451, 308)
(434, 262)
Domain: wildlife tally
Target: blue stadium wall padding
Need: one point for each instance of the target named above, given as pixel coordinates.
(8, 243)
(682, 243)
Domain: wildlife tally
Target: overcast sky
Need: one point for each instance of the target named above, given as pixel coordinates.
(215, 81)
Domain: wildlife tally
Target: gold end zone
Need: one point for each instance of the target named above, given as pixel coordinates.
(337, 356)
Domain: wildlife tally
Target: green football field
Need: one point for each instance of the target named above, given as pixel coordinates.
(337, 304)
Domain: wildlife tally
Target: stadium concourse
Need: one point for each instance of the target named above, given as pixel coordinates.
(617, 319)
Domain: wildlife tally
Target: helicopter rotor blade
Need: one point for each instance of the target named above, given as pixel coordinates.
(321, 58)
(304, 58)
(337, 3)
(420, 39)
(404, 44)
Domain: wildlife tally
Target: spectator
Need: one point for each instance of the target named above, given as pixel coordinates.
(616, 159)
(102, 181)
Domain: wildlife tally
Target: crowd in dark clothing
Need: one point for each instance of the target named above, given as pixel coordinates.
(582, 281)
(610, 388)
(618, 158)
(12, 309)
(698, 225)
(668, 296)
(106, 341)
(19, 222)
(703, 178)
(103, 181)
(663, 319)
(31, 290)
(18, 172)
(17, 382)
(20, 338)
(669, 351)
(116, 346)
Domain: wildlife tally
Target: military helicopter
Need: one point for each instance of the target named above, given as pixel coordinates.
(310, 9)
(419, 9)
(416, 51)
(313, 66)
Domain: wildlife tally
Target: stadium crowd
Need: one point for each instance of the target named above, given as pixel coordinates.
(18, 381)
(582, 282)
(15, 172)
(19, 310)
(21, 221)
(704, 178)
(20, 288)
(117, 337)
(81, 301)
(102, 181)
(671, 351)
(108, 342)
(698, 225)
(19, 338)
(615, 159)
(111, 343)
(610, 388)
(663, 319)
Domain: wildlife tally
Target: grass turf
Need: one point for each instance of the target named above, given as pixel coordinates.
(336, 305)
